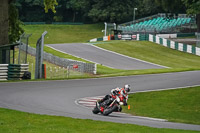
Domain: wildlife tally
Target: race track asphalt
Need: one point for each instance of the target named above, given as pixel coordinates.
(101, 56)
(58, 97)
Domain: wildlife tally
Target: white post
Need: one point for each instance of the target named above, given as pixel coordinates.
(114, 26)
(134, 13)
(95, 68)
(67, 71)
(105, 28)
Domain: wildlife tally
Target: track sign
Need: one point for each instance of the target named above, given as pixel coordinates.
(119, 36)
(126, 37)
(75, 66)
(134, 37)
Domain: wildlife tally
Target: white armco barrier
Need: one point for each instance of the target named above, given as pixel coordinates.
(165, 42)
(93, 40)
(180, 46)
(150, 38)
(157, 40)
(138, 37)
(3, 72)
(197, 51)
(189, 48)
(175, 45)
(167, 35)
(172, 44)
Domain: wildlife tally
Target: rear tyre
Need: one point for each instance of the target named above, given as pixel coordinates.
(95, 110)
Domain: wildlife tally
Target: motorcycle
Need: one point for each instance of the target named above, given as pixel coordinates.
(110, 105)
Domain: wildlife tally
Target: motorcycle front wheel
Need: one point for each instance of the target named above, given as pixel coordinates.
(109, 110)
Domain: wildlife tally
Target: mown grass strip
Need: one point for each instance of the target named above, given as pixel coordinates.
(179, 105)
(154, 53)
(64, 33)
(15, 121)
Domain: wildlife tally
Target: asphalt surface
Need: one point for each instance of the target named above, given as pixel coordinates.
(58, 97)
(104, 57)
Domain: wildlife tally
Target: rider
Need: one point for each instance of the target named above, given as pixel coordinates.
(117, 91)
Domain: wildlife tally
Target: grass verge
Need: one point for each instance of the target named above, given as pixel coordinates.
(179, 105)
(154, 53)
(15, 121)
(64, 33)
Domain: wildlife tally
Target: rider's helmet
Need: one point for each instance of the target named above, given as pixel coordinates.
(127, 88)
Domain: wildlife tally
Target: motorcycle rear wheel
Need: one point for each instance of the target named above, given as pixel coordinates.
(95, 110)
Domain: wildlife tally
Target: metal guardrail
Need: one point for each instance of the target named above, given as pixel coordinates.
(3, 72)
(63, 62)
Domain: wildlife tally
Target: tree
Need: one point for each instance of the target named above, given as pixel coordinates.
(4, 22)
(112, 10)
(147, 8)
(171, 6)
(15, 29)
(193, 7)
(180, 6)
(50, 4)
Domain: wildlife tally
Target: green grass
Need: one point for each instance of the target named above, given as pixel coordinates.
(15, 121)
(63, 55)
(64, 33)
(154, 53)
(179, 105)
(177, 61)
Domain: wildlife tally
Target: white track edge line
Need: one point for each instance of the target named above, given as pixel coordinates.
(126, 56)
(141, 117)
(78, 56)
(166, 89)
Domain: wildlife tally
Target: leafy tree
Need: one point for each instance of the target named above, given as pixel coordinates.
(147, 8)
(171, 6)
(193, 7)
(180, 6)
(4, 22)
(50, 4)
(31, 10)
(15, 30)
(112, 10)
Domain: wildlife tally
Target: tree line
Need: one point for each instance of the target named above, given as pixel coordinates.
(92, 11)
(87, 11)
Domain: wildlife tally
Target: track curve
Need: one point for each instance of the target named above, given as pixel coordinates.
(58, 97)
(105, 57)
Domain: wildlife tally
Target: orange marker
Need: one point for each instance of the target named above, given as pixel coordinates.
(129, 107)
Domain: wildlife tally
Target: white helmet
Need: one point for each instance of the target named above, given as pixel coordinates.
(127, 88)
